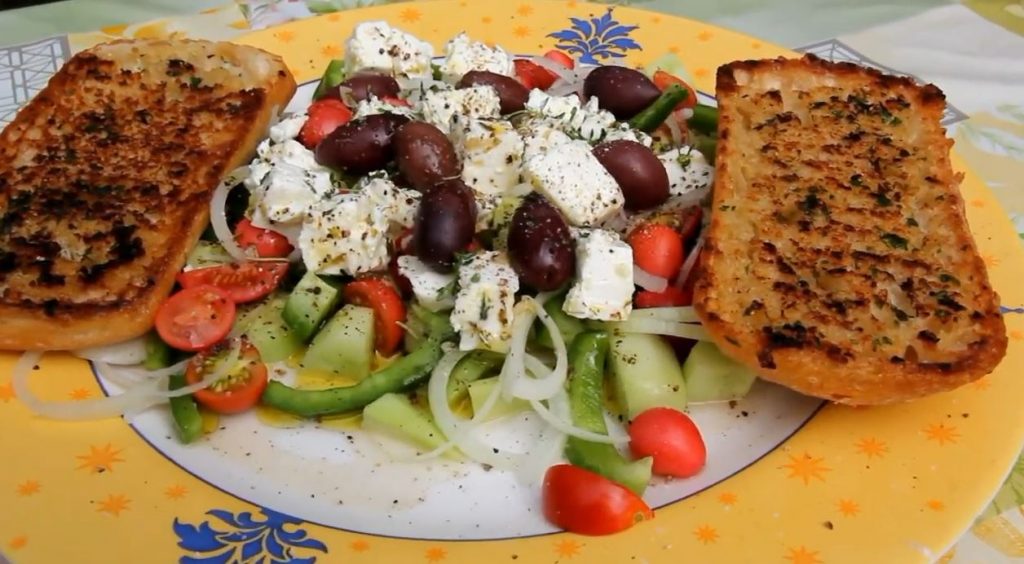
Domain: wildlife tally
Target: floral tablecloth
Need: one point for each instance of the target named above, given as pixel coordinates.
(974, 50)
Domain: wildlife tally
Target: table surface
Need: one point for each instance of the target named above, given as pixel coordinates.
(971, 49)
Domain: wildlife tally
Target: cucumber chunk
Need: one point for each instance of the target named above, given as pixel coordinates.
(480, 390)
(712, 376)
(395, 415)
(310, 303)
(345, 344)
(269, 333)
(568, 325)
(646, 373)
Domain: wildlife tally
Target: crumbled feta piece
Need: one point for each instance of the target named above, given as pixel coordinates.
(463, 55)
(587, 121)
(380, 47)
(576, 183)
(491, 153)
(442, 107)
(433, 290)
(687, 169)
(624, 131)
(604, 277)
(285, 180)
(288, 128)
(348, 233)
(541, 135)
(483, 305)
(485, 208)
(375, 105)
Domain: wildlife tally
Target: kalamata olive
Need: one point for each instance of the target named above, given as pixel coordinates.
(445, 224)
(511, 92)
(641, 176)
(620, 90)
(361, 86)
(540, 247)
(425, 155)
(361, 145)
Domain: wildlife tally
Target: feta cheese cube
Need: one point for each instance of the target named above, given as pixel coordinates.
(433, 290)
(541, 135)
(576, 183)
(688, 171)
(483, 305)
(287, 128)
(604, 277)
(491, 152)
(285, 181)
(442, 107)
(380, 47)
(375, 105)
(463, 55)
(587, 121)
(348, 233)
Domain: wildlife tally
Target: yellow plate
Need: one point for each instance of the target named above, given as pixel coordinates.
(892, 484)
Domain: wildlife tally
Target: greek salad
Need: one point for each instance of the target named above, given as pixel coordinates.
(446, 240)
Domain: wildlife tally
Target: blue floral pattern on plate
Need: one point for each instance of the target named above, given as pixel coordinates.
(248, 539)
(596, 37)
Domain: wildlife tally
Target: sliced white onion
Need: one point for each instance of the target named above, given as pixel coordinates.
(563, 425)
(691, 260)
(649, 281)
(660, 327)
(684, 314)
(514, 368)
(545, 382)
(128, 352)
(138, 374)
(218, 213)
(675, 130)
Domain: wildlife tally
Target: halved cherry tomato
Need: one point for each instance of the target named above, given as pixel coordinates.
(672, 438)
(325, 115)
(663, 80)
(388, 310)
(581, 501)
(195, 318)
(670, 297)
(240, 389)
(267, 242)
(560, 58)
(689, 222)
(533, 75)
(658, 249)
(242, 282)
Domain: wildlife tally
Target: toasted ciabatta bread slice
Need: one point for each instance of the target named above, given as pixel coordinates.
(838, 260)
(106, 177)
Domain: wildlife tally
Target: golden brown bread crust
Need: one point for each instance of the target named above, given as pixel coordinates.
(105, 180)
(839, 261)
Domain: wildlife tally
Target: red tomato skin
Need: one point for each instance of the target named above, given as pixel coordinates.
(658, 249)
(670, 297)
(583, 502)
(244, 282)
(664, 79)
(671, 438)
(533, 75)
(235, 399)
(324, 116)
(267, 242)
(210, 326)
(388, 310)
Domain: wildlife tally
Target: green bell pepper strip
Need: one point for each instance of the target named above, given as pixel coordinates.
(333, 76)
(472, 367)
(704, 120)
(187, 420)
(408, 371)
(586, 403)
(654, 115)
(158, 354)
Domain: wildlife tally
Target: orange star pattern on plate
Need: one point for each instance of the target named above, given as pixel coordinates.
(410, 15)
(806, 467)
(486, 19)
(177, 491)
(701, 72)
(990, 261)
(848, 507)
(706, 534)
(755, 45)
(1016, 335)
(656, 19)
(331, 51)
(800, 555)
(872, 447)
(285, 36)
(521, 31)
(571, 4)
(28, 487)
(727, 498)
(359, 545)
(978, 203)
(79, 394)
(524, 10)
(114, 504)
(436, 554)
(705, 36)
(18, 542)
(6, 392)
(941, 433)
(935, 504)
(982, 383)
(100, 459)
(567, 548)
